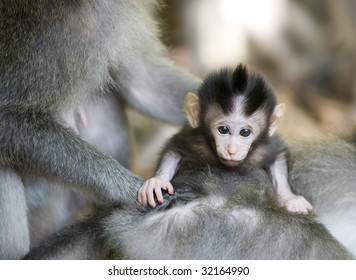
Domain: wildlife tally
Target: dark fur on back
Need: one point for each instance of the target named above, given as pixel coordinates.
(223, 86)
(194, 145)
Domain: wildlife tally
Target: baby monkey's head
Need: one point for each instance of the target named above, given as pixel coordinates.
(236, 109)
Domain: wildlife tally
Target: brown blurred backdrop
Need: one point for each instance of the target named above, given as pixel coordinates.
(306, 49)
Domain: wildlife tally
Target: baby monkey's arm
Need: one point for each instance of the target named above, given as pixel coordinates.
(165, 172)
(289, 200)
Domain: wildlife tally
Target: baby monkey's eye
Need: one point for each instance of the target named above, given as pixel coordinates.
(245, 132)
(223, 129)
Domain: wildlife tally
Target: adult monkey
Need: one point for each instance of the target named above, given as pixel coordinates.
(214, 214)
(55, 54)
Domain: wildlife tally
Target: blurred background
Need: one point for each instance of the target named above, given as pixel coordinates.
(306, 49)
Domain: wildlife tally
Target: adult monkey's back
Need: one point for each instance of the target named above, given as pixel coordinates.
(54, 54)
(325, 171)
(216, 214)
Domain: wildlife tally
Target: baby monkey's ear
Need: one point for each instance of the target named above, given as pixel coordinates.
(276, 117)
(192, 109)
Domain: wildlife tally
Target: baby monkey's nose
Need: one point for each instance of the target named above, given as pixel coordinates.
(232, 150)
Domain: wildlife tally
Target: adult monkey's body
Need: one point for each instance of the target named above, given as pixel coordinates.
(229, 216)
(55, 54)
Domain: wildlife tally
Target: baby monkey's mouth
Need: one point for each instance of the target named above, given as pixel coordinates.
(230, 162)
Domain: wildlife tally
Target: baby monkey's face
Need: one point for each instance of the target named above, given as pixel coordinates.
(233, 143)
(234, 134)
(233, 130)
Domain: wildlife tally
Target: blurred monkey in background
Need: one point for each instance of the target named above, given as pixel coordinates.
(54, 56)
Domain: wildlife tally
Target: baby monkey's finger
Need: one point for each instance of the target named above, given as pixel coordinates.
(159, 195)
(141, 195)
(150, 195)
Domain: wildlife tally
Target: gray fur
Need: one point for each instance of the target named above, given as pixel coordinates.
(14, 237)
(107, 128)
(326, 174)
(50, 208)
(220, 214)
(242, 223)
(55, 55)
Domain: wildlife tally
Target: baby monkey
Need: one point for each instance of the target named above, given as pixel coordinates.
(233, 119)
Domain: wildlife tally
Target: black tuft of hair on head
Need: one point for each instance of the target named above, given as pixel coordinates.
(221, 87)
(259, 95)
(217, 89)
(239, 79)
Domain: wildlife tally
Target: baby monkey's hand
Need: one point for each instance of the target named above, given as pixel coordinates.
(153, 186)
(297, 204)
